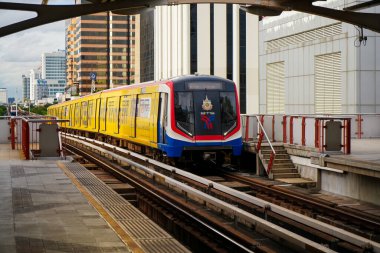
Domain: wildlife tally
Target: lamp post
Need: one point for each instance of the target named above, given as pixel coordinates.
(93, 80)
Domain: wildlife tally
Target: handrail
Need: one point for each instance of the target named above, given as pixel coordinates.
(273, 153)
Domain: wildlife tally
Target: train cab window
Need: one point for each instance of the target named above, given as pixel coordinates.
(184, 112)
(228, 111)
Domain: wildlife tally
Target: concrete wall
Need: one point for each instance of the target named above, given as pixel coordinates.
(352, 185)
(355, 186)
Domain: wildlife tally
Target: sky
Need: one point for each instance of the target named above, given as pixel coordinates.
(22, 51)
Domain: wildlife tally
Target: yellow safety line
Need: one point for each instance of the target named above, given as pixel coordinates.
(124, 236)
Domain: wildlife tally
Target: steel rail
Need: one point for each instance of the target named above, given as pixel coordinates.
(242, 216)
(323, 227)
(310, 201)
(160, 198)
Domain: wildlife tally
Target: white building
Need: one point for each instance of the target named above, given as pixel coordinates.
(34, 75)
(25, 88)
(214, 39)
(310, 64)
(53, 70)
(3, 96)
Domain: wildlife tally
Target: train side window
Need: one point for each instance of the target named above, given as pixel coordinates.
(144, 107)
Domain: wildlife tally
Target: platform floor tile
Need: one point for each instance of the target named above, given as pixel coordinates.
(42, 211)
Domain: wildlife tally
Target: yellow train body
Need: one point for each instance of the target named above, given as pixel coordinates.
(127, 113)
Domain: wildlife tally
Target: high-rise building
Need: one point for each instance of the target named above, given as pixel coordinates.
(34, 75)
(25, 88)
(213, 39)
(104, 45)
(3, 96)
(53, 70)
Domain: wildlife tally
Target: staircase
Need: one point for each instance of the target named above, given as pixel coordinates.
(283, 166)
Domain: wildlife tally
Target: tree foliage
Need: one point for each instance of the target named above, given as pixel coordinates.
(3, 110)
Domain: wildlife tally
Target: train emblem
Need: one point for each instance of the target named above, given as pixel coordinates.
(207, 105)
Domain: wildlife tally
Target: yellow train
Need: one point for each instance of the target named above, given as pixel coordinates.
(186, 115)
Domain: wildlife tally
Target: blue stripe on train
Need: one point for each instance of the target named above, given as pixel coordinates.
(174, 148)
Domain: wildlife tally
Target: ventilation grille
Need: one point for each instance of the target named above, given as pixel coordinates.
(298, 38)
(276, 87)
(328, 83)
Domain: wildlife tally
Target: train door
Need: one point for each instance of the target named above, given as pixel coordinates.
(154, 116)
(97, 115)
(77, 115)
(123, 115)
(131, 121)
(162, 117)
(116, 115)
(102, 115)
(71, 115)
(143, 117)
(111, 115)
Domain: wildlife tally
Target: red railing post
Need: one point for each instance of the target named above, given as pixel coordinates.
(316, 133)
(284, 140)
(291, 130)
(322, 146)
(270, 163)
(246, 127)
(273, 139)
(25, 139)
(348, 136)
(13, 134)
(359, 121)
(303, 137)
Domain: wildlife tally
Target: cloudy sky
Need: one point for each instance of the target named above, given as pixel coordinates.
(22, 51)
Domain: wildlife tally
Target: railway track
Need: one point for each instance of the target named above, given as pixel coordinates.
(363, 224)
(319, 236)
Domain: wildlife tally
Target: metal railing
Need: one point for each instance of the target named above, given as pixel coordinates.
(262, 133)
(312, 131)
(31, 129)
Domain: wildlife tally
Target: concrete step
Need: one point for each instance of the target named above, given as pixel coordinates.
(278, 156)
(282, 165)
(268, 151)
(286, 175)
(278, 171)
(279, 148)
(279, 161)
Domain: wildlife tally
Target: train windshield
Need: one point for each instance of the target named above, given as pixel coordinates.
(205, 112)
(184, 112)
(228, 111)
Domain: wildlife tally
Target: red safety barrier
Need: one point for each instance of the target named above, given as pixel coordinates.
(284, 137)
(348, 136)
(246, 128)
(13, 133)
(303, 137)
(317, 142)
(273, 121)
(291, 130)
(25, 139)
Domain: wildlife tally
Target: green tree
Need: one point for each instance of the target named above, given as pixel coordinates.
(3, 110)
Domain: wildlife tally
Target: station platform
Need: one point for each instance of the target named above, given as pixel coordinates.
(59, 206)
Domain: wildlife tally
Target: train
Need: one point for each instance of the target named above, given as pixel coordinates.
(13, 110)
(188, 117)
